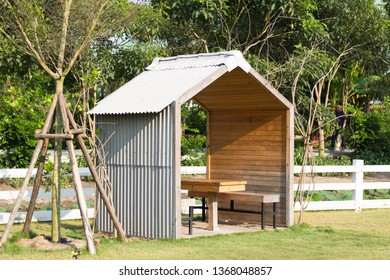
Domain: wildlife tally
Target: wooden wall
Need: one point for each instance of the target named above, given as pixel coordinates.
(251, 146)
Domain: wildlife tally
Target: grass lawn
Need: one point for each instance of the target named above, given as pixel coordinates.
(329, 235)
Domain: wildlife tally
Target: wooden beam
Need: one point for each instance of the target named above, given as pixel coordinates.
(54, 136)
(76, 131)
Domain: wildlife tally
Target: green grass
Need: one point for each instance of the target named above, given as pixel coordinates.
(325, 235)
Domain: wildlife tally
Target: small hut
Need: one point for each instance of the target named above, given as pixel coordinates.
(249, 137)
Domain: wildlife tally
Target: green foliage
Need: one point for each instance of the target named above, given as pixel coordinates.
(193, 141)
(371, 134)
(18, 235)
(266, 28)
(331, 195)
(326, 160)
(47, 208)
(117, 59)
(330, 160)
(193, 150)
(357, 23)
(65, 179)
(23, 102)
(14, 182)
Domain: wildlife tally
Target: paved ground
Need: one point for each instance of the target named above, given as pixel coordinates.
(200, 229)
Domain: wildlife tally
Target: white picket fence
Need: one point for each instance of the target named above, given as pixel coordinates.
(357, 186)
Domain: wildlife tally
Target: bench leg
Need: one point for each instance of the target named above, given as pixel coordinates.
(190, 219)
(274, 215)
(203, 209)
(262, 216)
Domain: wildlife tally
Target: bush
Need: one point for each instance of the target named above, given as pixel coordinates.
(371, 134)
(193, 150)
(23, 105)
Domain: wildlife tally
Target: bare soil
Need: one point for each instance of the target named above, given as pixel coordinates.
(44, 243)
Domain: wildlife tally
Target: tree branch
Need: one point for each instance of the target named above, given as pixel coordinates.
(64, 32)
(87, 38)
(31, 47)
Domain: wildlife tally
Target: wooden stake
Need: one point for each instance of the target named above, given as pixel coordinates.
(80, 197)
(54, 136)
(37, 183)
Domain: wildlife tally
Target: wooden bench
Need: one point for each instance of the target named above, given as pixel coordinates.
(210, 188)
(254, 197)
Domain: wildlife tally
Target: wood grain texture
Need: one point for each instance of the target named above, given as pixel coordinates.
(250, 145)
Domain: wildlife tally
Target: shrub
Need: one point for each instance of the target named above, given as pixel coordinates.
(371, 137)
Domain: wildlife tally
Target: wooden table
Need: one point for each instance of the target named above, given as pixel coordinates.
(212, 187)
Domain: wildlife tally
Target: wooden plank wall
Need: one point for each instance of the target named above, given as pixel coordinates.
(249, 145)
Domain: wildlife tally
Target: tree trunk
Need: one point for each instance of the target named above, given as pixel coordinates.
(56, 188)
(321, 139)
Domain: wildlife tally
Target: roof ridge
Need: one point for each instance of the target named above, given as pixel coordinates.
(231, 59)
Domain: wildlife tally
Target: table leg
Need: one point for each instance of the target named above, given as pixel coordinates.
(212, 204)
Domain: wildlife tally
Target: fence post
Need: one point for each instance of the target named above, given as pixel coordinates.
(357, 179)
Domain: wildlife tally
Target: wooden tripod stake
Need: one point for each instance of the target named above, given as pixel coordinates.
(70, 130)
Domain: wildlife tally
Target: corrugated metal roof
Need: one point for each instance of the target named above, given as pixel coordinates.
(166, 80)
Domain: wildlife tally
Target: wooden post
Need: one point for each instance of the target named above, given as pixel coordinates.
(357, 179)
(37, 183)
(212, 204)
(80, 197)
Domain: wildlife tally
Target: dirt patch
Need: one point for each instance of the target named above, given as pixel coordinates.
(44, 243)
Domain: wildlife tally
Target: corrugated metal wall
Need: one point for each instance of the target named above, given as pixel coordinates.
(140, 163)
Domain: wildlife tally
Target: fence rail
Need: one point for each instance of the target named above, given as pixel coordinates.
(357, 186)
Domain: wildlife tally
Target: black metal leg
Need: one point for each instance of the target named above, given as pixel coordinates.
(190, 220)
(274, 215)
(203, 209)
(262, 216)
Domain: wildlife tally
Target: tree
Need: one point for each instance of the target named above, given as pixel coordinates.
(265, 28)
(360, 24)
(55, 34)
